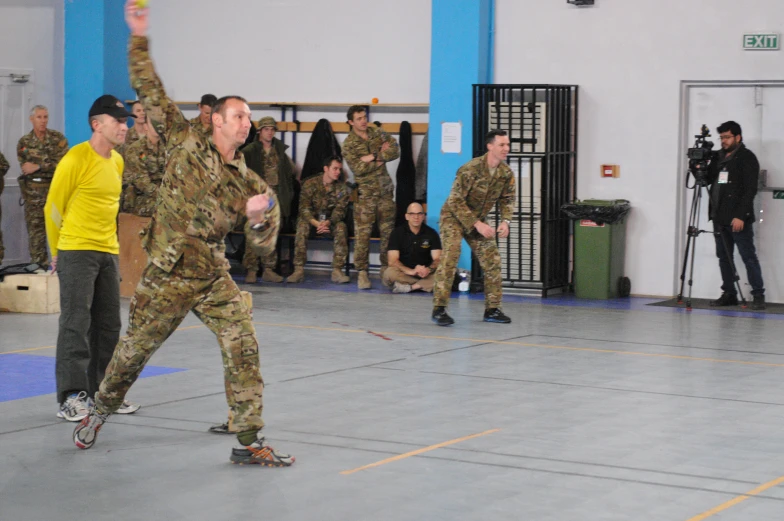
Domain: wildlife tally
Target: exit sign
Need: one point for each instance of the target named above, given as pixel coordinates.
(778, 194)
(761, 42)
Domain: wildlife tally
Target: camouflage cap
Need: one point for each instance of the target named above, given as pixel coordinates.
(267, 121)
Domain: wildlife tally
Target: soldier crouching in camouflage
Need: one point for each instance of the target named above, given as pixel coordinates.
(479, 185)
(205, 191)
(38, 152)
(322, 207)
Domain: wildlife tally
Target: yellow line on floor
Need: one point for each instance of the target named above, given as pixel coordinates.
(524, 344)
(739, 499)
(419, 451)
(52, 347)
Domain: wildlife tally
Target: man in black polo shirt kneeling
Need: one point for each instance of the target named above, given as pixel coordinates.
(414, 253)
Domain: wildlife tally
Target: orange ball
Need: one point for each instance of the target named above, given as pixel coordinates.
(374, 101)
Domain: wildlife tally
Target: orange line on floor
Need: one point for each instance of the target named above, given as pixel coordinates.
(740, 499)
(419, 451)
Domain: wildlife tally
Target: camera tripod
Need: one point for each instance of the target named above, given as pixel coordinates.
(692, 232)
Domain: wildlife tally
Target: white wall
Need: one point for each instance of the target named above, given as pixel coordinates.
(629, 57)
(294, 50)
(31, 37)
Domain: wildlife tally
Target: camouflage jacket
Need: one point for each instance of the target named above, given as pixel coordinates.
(46, 152)
(372, 178)
(4, 166)
(144, 167)
(202, 197)
(475, 192)
(316, 199)
(198, 127)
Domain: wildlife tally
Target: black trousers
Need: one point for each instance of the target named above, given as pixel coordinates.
(744, 239)
(89, 319)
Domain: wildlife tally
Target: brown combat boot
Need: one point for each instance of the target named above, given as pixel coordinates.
(363, 281)
(339, 277)
(270, 276)
(297, 276)
(250, 278)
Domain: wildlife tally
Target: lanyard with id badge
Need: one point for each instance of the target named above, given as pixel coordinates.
(724, 177)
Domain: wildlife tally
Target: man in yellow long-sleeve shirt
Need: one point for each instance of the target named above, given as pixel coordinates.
(81, 227)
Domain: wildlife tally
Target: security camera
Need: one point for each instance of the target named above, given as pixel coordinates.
(20, 78)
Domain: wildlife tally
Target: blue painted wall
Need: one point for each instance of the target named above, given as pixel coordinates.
(95, 60)
(461, 56)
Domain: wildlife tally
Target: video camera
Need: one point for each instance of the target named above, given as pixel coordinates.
(700, 156)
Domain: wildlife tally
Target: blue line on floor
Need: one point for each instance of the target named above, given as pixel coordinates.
(25, 376)
(323, 282)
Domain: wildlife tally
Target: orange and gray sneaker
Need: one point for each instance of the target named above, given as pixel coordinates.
(260, 453)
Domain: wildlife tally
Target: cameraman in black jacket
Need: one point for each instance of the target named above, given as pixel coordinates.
(733, 179)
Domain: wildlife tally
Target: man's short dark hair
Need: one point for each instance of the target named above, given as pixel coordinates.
(219, 107)
(209, 99)
(731, 127)
(354, 109)
(135, 102)
(328, 161)
(490, 136)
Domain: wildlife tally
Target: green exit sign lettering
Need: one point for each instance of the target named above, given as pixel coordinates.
(778, 194)
(761, 42)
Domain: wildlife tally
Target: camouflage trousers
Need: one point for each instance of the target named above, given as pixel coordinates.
(368, 210)
(338, 231)
(486, 250)
(250, 259)
(34, 194)
(159, 305)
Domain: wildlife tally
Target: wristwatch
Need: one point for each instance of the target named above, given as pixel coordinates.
(259, 226)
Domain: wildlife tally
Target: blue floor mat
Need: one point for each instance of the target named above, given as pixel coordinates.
(25, 376)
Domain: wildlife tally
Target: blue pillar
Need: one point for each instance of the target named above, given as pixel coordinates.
(95, 60)
(461, 55)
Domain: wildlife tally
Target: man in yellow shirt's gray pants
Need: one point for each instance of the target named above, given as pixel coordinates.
(81, 228)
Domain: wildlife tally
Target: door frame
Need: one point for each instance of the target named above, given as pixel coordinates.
(685, 140)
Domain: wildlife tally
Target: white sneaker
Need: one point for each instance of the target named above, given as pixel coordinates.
(128, 408)
(74, 408)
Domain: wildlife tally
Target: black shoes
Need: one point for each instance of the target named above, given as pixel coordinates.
(759, 303)
(441, 317)
(497, 316)
(728, 299)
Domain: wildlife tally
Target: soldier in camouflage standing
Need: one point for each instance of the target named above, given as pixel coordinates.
(145, 161)
(203, 122)
(38, 153)
(479, 185)
(367, 150)
(4, 166)
(267, 157)
(207, 189)
(139, 128)
(322, 207)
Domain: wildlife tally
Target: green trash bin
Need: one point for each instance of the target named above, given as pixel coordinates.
(600, 249)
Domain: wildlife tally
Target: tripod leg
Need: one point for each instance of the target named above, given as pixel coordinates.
(691, 238)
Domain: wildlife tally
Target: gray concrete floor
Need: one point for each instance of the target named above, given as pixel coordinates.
(585, 414)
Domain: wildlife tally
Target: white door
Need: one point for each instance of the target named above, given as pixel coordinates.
(713, 105)
(15, 99)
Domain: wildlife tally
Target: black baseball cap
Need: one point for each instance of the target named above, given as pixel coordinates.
(108, 104)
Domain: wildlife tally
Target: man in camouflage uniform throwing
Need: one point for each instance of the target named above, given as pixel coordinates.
(367, 151)
(322, 207)
(479, 185)
(207, 189)
(38, 152)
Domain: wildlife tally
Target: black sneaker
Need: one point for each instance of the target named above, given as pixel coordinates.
(726, 299)
(759, 303)
(260, 453)
(497, 316)
(441, 317)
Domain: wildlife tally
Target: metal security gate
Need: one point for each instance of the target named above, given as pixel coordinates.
(541, 121)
